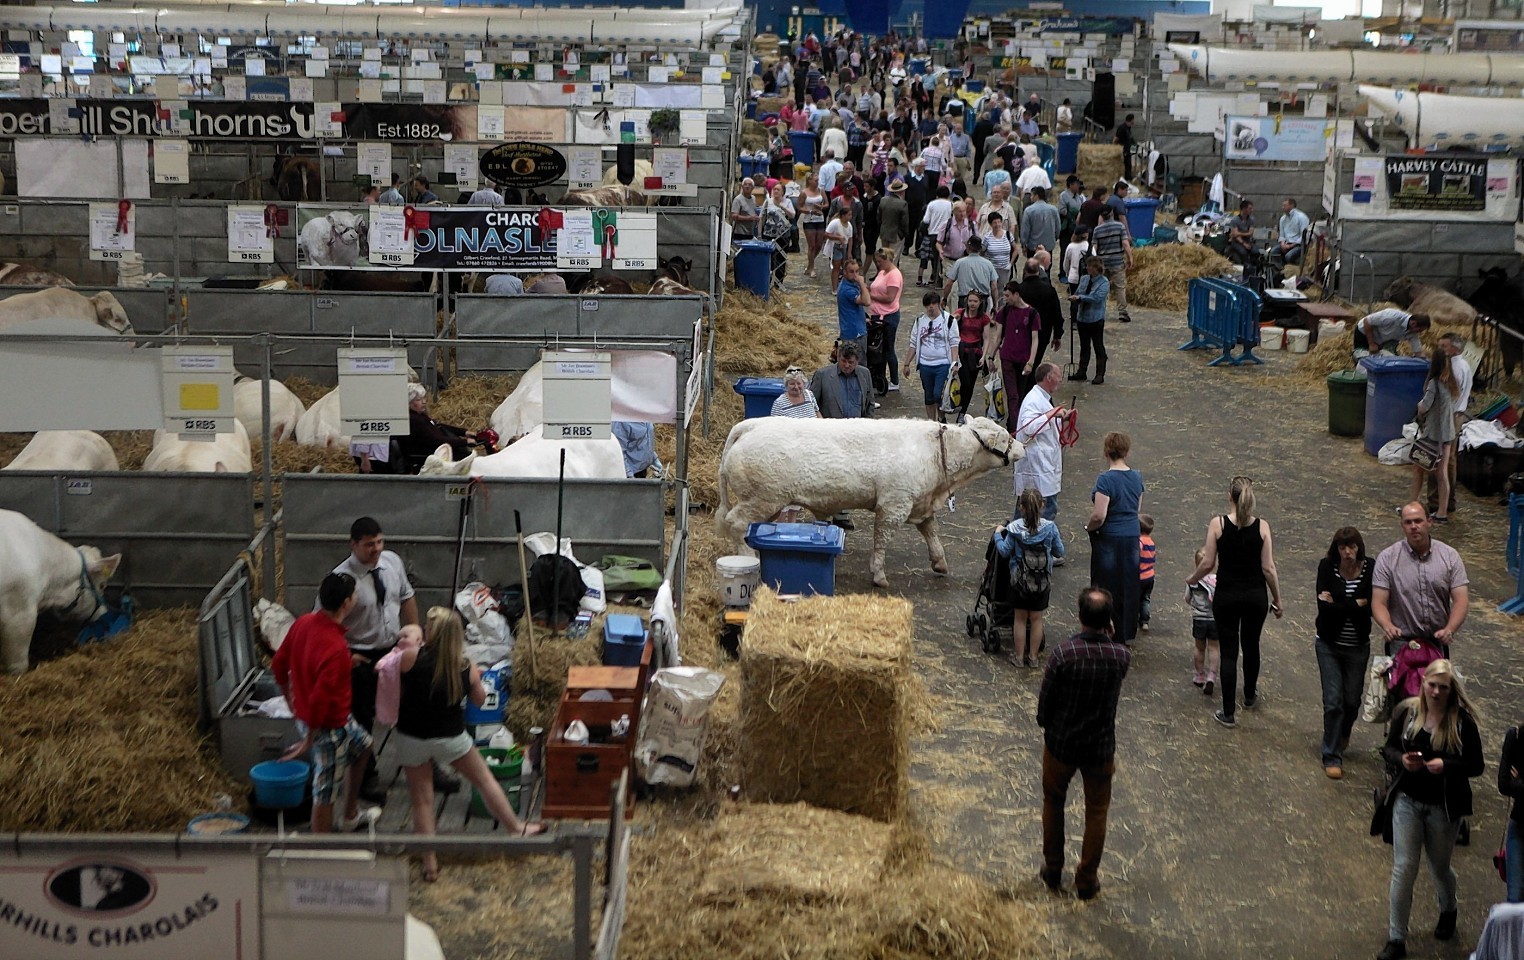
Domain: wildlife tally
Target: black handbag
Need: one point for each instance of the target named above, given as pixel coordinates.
(1381, 818)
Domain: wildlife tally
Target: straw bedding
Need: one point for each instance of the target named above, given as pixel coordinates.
(827, 702)
(1100, 164)
(794, 881)
(1160, 276)
(104, 739)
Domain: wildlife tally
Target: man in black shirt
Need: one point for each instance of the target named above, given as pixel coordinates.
(1077, 709)
(1040, 295)
(1125, 140)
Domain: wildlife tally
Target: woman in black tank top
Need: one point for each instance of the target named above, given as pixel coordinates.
(1238, 545)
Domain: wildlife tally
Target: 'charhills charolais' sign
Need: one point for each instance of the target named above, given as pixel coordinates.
(237, 120)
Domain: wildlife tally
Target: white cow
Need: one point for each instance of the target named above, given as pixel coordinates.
(902, 470)
(285, 409)
(274, 622)
(38, 572)
(534, 456)
(524, 410)
(102, 309)
(229, 453)
(334, 240)
(65, 450)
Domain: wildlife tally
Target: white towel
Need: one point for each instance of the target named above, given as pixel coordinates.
(663, 612)
(1476, 433)
(1215, 192)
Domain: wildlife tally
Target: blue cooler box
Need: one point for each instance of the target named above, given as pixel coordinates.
(624, 640)
(798, 557)
(758, 394)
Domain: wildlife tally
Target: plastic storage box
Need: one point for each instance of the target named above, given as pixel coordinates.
(798, 557)
(624, 640)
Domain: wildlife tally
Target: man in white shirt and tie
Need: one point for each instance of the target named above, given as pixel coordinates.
(384, 604)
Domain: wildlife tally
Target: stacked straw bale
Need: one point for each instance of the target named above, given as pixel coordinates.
(827, 702)
(1161, 275)
(1099, 164)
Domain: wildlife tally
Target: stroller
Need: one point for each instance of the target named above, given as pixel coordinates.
(994, 607)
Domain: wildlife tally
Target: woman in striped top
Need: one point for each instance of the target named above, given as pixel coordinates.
(1343, 640)
(796, 399)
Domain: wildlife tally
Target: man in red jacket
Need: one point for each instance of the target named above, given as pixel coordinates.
(312, 668)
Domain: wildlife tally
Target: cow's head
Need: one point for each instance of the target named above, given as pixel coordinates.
(343, 230)
(1403, 291)
(89, 598)
(110, 314)
(996, 441)
(675, 267)
(439, 464)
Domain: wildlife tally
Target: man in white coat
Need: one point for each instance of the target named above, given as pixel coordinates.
(1037, 427)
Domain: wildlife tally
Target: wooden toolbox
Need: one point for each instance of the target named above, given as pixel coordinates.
(580, 776)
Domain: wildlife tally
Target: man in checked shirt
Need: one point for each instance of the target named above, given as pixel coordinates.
(1077, 710)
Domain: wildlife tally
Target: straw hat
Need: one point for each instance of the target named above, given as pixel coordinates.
(896, 186)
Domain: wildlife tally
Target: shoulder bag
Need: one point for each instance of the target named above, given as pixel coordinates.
(1424, 452)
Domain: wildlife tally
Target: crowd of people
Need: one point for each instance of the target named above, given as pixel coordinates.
(899, 178)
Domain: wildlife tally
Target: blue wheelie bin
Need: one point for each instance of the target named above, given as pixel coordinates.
(1393, 387)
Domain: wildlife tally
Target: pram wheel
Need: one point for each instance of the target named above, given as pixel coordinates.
(970, 624)
(983, 623)
(990, 641)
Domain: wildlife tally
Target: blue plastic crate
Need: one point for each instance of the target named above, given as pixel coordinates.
(624, 640)
(798, 557)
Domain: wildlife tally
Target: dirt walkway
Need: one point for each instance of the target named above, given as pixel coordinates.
(1223, 843)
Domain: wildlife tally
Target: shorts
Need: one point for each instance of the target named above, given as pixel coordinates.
(934, 381)
(838, 252)
(1203, 629)
(1034, 602)
(333, 750)
(416, 751)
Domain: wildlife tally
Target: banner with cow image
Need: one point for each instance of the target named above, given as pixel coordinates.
(497, 239)
(1436, 183)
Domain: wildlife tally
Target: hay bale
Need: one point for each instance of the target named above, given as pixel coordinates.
(769, 105)
(105, 739)
(761, 881)
(469, 401)
(827, 701)
(792, 852)
(1161, 274)
(754, 135)
(1099, 164)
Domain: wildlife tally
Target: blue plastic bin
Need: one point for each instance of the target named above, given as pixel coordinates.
(495, 708)
(798, 557)
(624, 639)
(280, 784)
(1393, 387)
(804, 146)
(758, 394)
(1140, 216)
(754, 266)
(1068, 151)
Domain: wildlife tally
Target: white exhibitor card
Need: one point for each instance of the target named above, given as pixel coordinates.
(327, 119)
(373, 391)
(391, 242)
(489, 122)
(112, 229)
(198, 390)
(578, 393)
(63, 116)
(171, 161)
(670, 164)
(576, 246)
(585, 167)
(636, 245)
(461, 160)
(374, 160)
(251, 239)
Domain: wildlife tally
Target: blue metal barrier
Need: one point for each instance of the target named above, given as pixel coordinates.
(1515, 558)
(1223, 315)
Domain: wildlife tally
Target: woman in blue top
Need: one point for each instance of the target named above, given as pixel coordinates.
(1031, 544)
(1116, 500)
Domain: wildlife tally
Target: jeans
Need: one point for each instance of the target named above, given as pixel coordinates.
(1419, 828)
(1513, 845)
(1055, 789)
(1092, 333)
(1342, 669)
(891, 328)
(1145, 600)
(934, 381)
(1239, 622)
(1050, 507)
(1114, 566)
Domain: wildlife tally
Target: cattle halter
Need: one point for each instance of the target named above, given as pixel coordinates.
(86, 584)
(1005, 457)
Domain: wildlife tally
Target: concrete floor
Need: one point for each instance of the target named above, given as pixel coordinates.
(1223, 843)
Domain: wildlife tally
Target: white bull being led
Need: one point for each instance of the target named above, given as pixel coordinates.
(902, 470)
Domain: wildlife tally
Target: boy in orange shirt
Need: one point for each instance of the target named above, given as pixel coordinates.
(1146, 553)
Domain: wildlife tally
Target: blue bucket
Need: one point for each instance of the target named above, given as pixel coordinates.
(280, 783)
(495, 707)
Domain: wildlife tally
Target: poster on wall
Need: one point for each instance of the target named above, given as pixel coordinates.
(1436, 183)
(498, 239)
(1276, 138)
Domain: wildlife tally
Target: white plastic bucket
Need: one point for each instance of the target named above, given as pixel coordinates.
(1297, 340)
(739, 577)
(1272, 338)
(1328, 329)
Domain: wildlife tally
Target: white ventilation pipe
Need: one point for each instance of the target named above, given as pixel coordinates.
(1223, 64)
(1444, 120)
